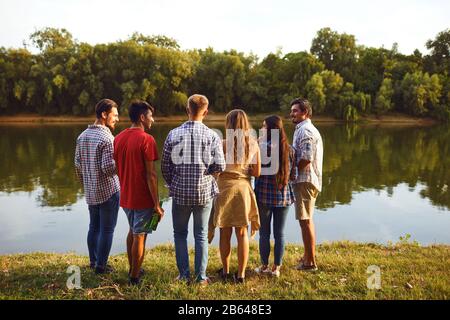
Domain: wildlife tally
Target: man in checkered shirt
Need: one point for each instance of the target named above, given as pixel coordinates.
(96, 169)
(307, 184)
(192, 154)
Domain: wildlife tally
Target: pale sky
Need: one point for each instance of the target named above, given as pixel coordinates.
(247, 26)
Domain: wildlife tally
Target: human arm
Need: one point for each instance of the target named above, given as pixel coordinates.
(218, 158)
(166, 162)
(304, 151)
(152, 183)
(108, 165)
(77, 161)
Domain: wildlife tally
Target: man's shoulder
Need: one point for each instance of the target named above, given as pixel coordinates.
(308, 128)
(149, 138)
(214, 135)
(120, 136)
(178, 129)
(92, 133)
(313, 129)
(188, 127)
(82, 135)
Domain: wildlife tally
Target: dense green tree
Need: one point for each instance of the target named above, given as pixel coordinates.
(421, 92)
(315, 93)
(383, 101)
(220, 76)
(51, 39)
(159, 40)
(338, 52)
(439, 59)
(296, 69)
(370, 70)
(333, 84)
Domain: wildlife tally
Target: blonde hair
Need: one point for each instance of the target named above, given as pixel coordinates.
(237, 120)
(197, 103)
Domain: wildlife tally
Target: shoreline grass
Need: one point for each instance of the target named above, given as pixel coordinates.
(408, 271)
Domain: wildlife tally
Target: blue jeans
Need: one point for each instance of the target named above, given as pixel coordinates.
(180, 218)
(103, 219)
(279, 215)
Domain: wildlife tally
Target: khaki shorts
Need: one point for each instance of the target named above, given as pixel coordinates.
(305, 199)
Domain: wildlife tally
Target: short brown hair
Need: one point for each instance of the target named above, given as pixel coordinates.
(304, 105)
(104, 105)
(197, 103)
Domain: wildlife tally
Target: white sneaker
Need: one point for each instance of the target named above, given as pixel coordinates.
(276, 272)
(263, 270)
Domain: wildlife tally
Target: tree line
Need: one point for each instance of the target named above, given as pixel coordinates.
(339, 77)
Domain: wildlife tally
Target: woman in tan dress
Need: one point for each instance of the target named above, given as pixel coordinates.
(235, 206)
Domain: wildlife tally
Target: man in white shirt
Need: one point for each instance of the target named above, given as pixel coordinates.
(307, 184)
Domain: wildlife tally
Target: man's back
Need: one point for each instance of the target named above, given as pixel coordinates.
(132, 147)
(192, 152)
(95, 165)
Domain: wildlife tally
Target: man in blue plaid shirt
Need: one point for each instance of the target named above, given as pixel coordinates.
(192, 154)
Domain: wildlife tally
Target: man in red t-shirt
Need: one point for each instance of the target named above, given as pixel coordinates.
(135, 153)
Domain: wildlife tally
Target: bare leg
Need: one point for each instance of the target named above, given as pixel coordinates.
(129, 246)
(143, 253)
(137, 254)
(225, 248)
(243, 250)
(309, 241)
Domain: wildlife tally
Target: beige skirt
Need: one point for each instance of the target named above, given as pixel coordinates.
(235, 206)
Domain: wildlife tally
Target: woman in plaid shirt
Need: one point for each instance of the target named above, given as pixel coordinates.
(274, 194)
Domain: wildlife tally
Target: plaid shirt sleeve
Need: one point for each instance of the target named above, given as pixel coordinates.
(305, 151)
(78, 163)
(218, 164)
(166, 162)
(108, 165)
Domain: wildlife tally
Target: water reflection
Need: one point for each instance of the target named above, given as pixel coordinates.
(356, 158)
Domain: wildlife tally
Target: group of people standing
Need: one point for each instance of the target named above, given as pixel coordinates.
(209, 178)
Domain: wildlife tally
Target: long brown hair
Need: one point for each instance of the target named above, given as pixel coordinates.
(275, 122)
(237, 120)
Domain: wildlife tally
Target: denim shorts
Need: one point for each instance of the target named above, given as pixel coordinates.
(137, 219)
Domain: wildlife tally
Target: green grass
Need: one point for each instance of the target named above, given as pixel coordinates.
(408, 271)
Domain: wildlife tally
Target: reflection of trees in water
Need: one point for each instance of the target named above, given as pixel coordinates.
(362, 158)
(41, 158)
(356, 159)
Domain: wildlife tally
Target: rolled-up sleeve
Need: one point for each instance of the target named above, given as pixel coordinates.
(305, 146)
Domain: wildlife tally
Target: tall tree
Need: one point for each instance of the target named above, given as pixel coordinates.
(440, 52)
(337, 51)
(383, 101)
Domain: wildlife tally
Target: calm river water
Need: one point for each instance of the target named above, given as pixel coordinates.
(380, 183)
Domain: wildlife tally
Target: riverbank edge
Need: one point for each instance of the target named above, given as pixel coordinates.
(407, 271)
(372, 119)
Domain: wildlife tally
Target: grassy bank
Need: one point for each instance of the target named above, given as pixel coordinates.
(386, 119)
(408, 271)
